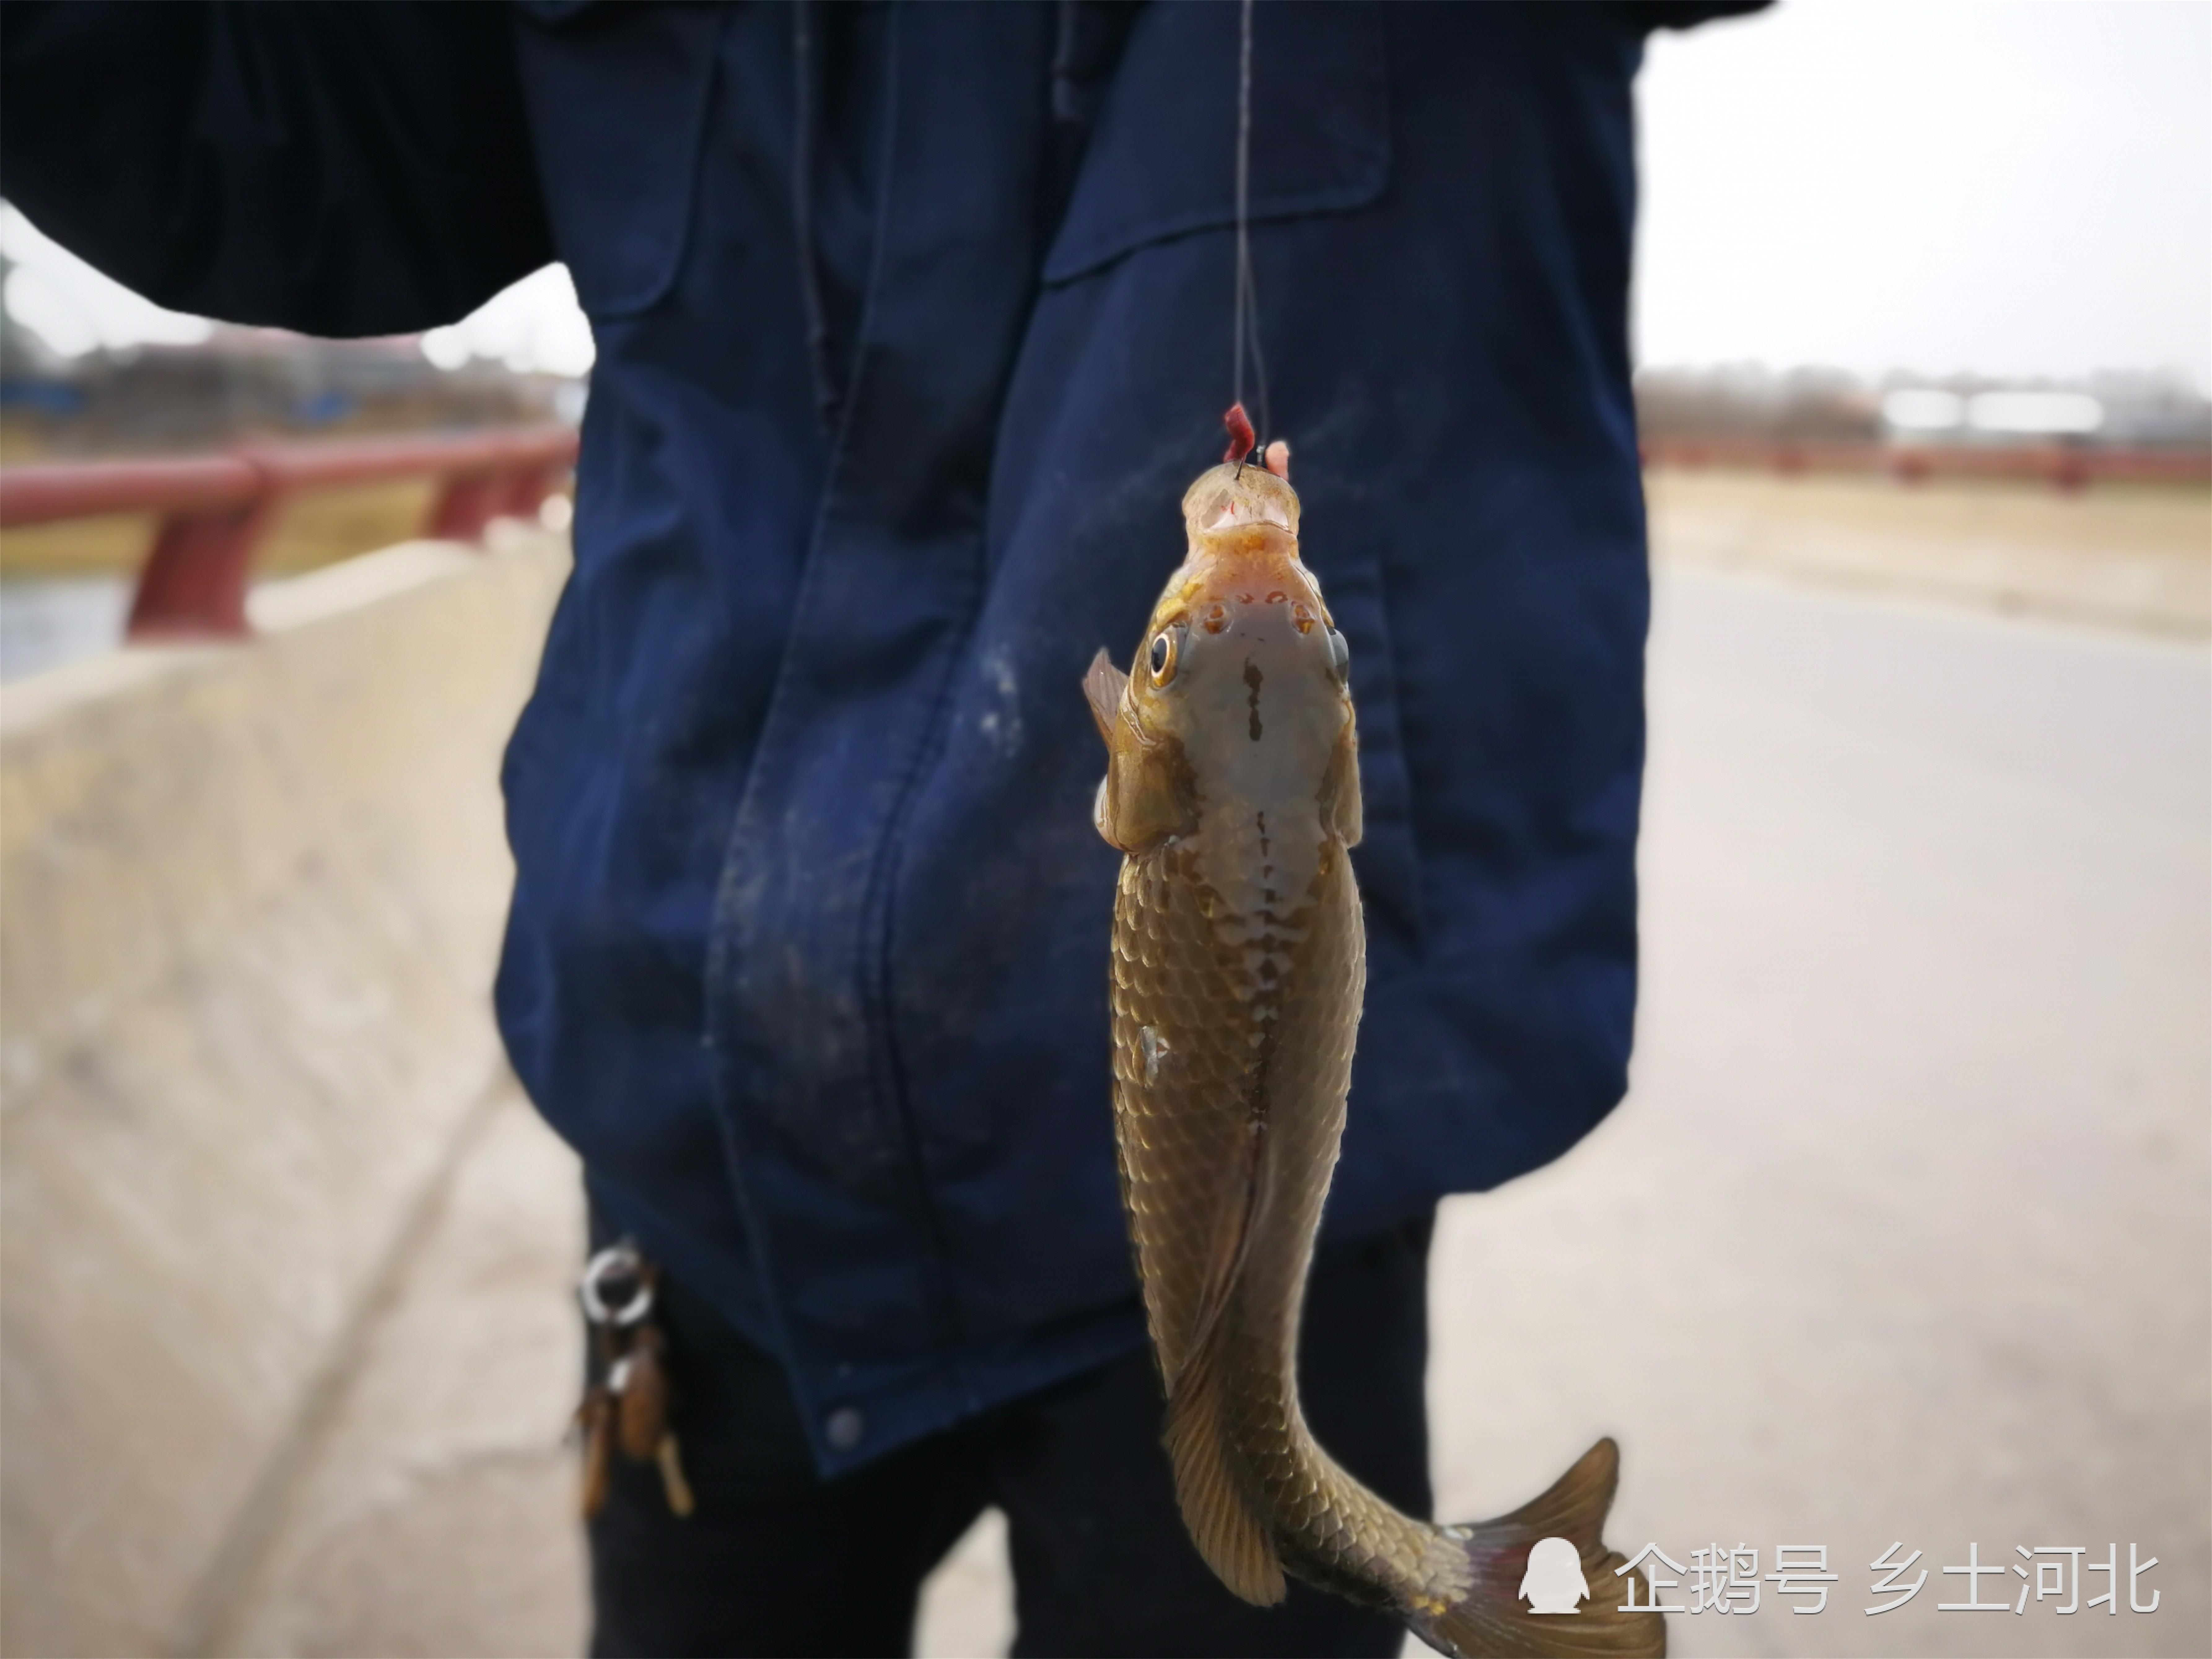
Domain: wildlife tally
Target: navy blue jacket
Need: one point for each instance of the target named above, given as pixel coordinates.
(913, 325)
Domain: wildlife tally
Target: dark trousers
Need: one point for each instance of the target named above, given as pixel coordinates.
(777, 1560)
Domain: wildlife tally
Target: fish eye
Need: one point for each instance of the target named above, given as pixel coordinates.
(1339, 654)
(1163, 656)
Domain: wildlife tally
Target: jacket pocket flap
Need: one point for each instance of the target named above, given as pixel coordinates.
(618, 100)
(1163, 160)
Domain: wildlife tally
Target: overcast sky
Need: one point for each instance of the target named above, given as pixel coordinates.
(2015, 187)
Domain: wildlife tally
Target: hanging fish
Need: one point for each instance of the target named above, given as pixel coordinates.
(1232, 787)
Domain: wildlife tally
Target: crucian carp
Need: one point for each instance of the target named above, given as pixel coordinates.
(1239, 964)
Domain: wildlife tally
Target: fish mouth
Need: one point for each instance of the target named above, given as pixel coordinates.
(1239, 510)
(1230, 497)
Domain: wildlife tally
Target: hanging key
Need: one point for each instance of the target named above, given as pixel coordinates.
(595, 1418)
(673, 1482)
(643, 1391)
(630, 1408)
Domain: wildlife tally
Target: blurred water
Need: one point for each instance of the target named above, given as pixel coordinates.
(46, 621)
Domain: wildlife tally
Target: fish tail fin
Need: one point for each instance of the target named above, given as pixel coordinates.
(1215, 1511)
(1495, 1617)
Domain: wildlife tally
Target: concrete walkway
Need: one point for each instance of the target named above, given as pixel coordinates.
(1904, 1233)
(436, 1518)
(1904, 1230)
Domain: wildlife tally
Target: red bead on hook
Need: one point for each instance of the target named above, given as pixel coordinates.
(1241, 438)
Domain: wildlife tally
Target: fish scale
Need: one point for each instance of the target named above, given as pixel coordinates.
(1238, 969)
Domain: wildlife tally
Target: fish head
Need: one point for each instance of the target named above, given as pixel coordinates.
(1239, 699)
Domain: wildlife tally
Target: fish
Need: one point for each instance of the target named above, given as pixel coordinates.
(1238, 971)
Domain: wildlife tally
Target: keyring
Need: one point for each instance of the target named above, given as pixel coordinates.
(616, 1262)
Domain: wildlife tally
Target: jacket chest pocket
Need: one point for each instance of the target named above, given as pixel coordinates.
(1162, 160)
(619, 104)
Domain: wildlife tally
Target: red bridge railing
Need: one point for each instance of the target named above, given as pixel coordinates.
(2063, 466)
(215, 509)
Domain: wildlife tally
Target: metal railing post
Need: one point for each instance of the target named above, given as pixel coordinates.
(194, 581)
(215, 510)
(466, 504)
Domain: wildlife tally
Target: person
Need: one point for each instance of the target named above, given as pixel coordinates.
(912, 325)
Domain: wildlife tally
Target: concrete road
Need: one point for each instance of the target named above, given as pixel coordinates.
(1904, 1230)
(1904, 1234)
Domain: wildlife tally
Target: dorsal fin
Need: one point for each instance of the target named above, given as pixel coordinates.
(1216, 1510)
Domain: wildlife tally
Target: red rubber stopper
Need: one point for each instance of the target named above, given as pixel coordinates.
(1240, 439)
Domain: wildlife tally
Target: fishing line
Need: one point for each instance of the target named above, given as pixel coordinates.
(1246, 324)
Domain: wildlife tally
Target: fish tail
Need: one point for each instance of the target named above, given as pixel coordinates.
(1219, 1518)
(1493, 1618)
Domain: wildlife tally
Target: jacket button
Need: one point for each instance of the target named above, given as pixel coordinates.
(844, 1428)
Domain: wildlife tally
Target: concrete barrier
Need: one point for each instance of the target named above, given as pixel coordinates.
(250, 899)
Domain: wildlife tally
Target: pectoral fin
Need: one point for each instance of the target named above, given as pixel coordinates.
(1102, 686)
(1146, 796)
(1350, 814)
